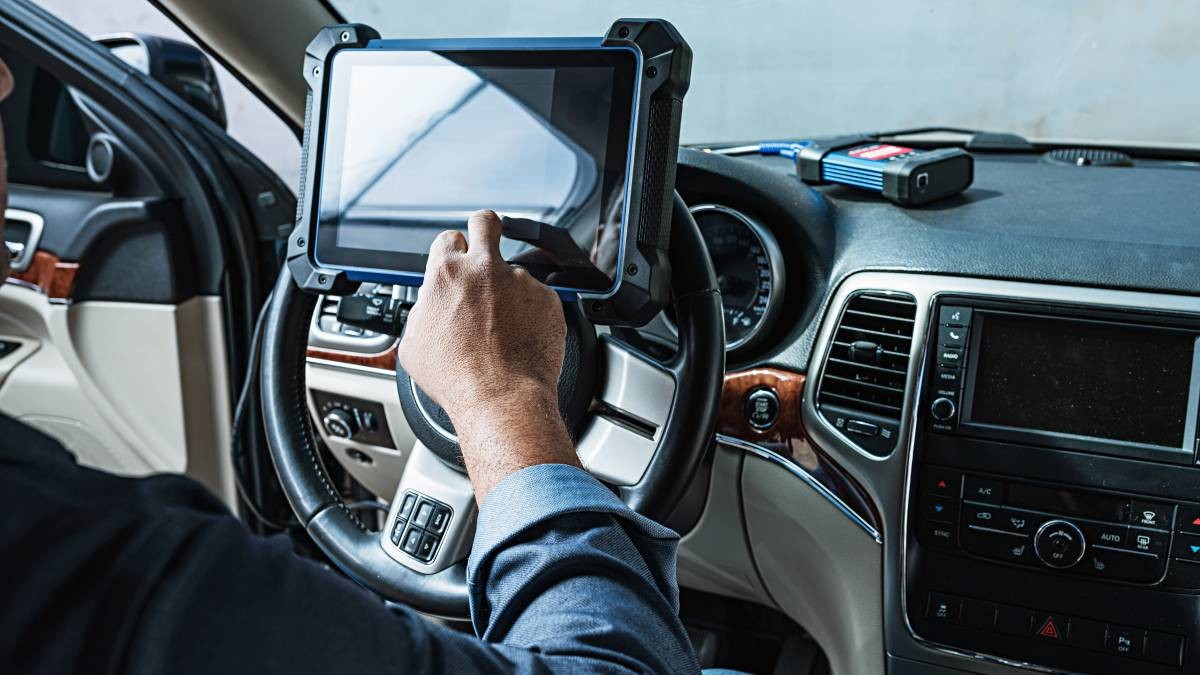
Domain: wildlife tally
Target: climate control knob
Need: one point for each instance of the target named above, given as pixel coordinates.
(1059, 544)
(942, 409)
(340, 423)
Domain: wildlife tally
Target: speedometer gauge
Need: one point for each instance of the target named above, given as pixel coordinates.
(749, 269)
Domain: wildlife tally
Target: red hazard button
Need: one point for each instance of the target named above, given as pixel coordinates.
(1051, 628)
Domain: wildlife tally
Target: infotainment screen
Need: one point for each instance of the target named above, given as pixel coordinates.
(415, 141)
(1084, 378)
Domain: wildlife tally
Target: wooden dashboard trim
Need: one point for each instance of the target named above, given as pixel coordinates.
(787, 437)
(55, 278)
(383, 361)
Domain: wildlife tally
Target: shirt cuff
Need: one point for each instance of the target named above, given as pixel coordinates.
(539, 493)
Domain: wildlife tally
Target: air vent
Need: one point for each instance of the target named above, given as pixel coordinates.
(863, 382)
(1087, 157)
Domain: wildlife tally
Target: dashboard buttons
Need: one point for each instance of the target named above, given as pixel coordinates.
(1187, 547)
(954, 316)
(943, 535)
(941, 482)
(1125, 641)
(340, 423)
(1104, 534)
(943, 409)
(1108, 563)
(1014, 620)
(1148, 514)
(1087, 634)
(948, 378)
(983, 490)
(1059, 544)
(950, 357)
(998, 545)
(943, 608)
(944, 509)
(762, 409)
(952, 336)
(1165, 649)
(1188, 519)
(1051, 627)
(1147, 541)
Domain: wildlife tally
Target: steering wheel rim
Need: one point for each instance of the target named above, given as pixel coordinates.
(698, 368)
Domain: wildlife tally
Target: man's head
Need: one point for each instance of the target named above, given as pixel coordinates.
(6, 86)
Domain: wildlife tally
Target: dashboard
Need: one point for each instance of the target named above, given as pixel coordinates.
(955, 438)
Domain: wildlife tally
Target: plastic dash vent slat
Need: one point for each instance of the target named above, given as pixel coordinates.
(867, 366)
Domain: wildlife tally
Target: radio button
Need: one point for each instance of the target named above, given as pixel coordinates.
(983, 489)
(1112, 536)
(952, 336)
(1059, 544)
(1149, 514)
(1147, 541)
(998, 545)
(1187, 547)
(944, 509)
(954, 316)
(950, 357)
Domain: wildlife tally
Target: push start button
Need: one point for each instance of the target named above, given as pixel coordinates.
(762, 408)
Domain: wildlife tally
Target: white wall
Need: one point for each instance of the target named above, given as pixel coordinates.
(1102, 69)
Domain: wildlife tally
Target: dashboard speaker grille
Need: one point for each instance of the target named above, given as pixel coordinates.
(867, 366)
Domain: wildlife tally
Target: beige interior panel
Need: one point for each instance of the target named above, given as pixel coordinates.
(822, 569)
(382, 475)
(714, 557)
(132, 388)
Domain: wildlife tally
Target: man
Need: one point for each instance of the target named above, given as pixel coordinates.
(104, 574)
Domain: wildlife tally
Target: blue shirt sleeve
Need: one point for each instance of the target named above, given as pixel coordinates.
(562, 570)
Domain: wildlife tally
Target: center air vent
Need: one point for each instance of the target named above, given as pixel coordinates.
(863, 381)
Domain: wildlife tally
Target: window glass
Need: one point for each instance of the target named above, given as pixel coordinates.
(251, 122)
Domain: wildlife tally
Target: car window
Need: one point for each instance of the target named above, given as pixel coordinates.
(251, 122)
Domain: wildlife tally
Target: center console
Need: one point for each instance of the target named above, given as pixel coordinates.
(1053, 502)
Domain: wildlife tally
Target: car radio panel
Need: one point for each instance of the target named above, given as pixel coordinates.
(1075, 382)
(1052, 505)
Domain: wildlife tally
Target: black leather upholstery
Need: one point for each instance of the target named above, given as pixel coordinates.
(316, 503)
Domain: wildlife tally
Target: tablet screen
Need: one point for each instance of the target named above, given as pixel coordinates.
(415, 141)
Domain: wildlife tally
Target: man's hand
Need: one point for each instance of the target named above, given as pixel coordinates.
(486, 341)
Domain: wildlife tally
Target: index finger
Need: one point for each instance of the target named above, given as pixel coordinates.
(483, 233)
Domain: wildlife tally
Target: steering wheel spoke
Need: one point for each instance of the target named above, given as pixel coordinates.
(431, 522)
(633, 405)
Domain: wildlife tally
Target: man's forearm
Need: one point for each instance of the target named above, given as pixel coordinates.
(515, 432)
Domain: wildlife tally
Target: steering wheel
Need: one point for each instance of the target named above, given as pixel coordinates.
(642, 425)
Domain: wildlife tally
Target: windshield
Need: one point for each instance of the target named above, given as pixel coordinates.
(1098, 71)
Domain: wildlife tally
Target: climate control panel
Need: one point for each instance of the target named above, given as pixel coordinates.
(1098, 535)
